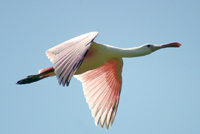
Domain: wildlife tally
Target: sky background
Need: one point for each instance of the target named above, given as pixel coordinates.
(160, 92)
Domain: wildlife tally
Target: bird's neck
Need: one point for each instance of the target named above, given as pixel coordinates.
(129, 52)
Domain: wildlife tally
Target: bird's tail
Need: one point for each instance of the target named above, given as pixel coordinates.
(43, 73)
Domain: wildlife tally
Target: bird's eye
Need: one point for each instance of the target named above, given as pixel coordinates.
(148, 45)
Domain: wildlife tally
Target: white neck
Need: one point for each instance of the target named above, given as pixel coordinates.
(128, 52)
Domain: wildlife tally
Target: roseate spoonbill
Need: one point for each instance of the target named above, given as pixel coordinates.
(97, 66)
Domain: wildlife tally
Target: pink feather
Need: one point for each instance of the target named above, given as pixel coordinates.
(102, 88)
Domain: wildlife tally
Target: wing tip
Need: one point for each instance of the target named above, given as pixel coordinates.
(50, 55)
(94, 34)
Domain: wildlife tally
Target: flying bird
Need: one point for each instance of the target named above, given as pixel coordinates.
(97, 66)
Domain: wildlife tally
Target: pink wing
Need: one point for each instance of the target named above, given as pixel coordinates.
(102, 88)
(68, 56)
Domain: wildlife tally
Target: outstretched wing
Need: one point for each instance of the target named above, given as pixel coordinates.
(68, 56)
(102, 88)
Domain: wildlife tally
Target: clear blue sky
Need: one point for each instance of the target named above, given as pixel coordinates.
(160, 92)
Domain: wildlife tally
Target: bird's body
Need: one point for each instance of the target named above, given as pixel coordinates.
(97, 66)
(96, 56)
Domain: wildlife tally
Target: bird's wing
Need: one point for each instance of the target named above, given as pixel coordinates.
(102, 88)
(68, 56)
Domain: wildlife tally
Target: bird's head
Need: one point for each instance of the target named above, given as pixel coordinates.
(152, 48)
(149, 48)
